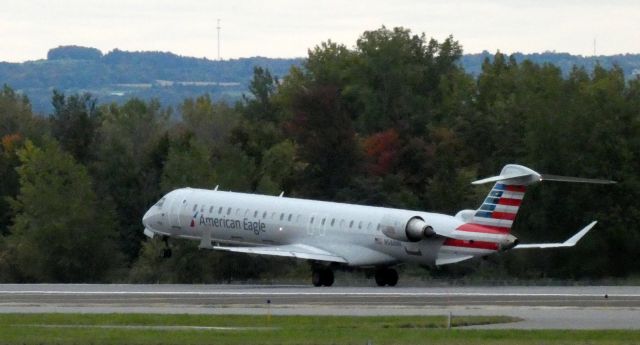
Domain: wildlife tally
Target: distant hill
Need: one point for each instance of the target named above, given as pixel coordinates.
(630, 63)
(119, 75)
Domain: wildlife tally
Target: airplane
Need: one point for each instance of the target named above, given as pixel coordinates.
(338, 235)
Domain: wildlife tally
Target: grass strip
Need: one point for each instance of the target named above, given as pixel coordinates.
(142, 329)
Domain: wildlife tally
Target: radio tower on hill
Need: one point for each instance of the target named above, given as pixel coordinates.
(218, 27)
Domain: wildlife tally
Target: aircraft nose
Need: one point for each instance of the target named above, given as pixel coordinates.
(147, 218)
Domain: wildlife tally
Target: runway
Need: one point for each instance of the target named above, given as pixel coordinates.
(593, 307)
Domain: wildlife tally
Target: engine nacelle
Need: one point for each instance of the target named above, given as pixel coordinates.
(413, 230)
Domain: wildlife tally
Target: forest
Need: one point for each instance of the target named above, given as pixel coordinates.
(393, 121)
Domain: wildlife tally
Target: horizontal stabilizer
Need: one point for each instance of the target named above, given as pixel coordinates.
(513, 172)
(526, 176)
(546, 177)
(500, 178)
(568, 243)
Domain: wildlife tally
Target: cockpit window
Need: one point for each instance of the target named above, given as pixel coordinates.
(160, 203)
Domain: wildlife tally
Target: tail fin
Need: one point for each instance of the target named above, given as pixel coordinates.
(499, 209)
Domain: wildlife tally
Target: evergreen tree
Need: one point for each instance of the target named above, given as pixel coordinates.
(130, 152)
(74, 123)
(61, 232)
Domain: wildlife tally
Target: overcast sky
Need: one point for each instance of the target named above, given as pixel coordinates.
(287, 28)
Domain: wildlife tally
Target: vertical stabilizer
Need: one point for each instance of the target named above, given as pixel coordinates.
(499, 209)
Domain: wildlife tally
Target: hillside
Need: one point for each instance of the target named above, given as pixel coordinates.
(630, 63)
(120, 75)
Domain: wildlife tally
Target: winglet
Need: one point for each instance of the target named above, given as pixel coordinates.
(568, 243)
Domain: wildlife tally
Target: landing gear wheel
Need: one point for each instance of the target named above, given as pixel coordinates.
(386, 276)
(316, 278)
(392, 277)
(380, 278)
(327, 277)
(322, 277)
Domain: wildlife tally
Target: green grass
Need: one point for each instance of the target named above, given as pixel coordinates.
(106, 329)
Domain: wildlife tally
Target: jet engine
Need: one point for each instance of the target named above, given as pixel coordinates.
(412, 230)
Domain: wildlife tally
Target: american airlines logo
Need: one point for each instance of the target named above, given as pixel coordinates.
(193, 220)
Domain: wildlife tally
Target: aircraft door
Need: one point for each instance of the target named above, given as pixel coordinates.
(178, 205)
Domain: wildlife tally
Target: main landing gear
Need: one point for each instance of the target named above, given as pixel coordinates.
(166, 251)
(386, 276)
(322, 276)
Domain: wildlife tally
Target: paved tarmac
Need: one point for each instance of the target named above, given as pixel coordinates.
(592, 307)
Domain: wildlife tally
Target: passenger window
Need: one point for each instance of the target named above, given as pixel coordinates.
(290, 215)
(281, 216)
(246, 213)
(195, 207)
(359, 225)
(202, 209)
(351, 224)
(220, 210)
(264, 215)
(333, 221)
(369, 226)
(255, 214)
(311, 220)
(238, 212)
(323, 219)
(211, 209)
(229, 211)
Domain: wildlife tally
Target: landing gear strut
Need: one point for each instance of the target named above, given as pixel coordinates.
(166, 251)
(386, 276)
(322, 276)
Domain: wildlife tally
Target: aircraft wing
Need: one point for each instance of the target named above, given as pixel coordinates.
(568, 243)
(301, 251)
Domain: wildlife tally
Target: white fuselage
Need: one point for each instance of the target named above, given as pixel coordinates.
(353, 232)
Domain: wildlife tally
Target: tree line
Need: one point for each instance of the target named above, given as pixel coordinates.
(393, 121)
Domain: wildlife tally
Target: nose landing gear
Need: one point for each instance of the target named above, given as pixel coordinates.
(166, 251)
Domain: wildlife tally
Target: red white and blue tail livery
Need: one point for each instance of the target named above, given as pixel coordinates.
(336, 235)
